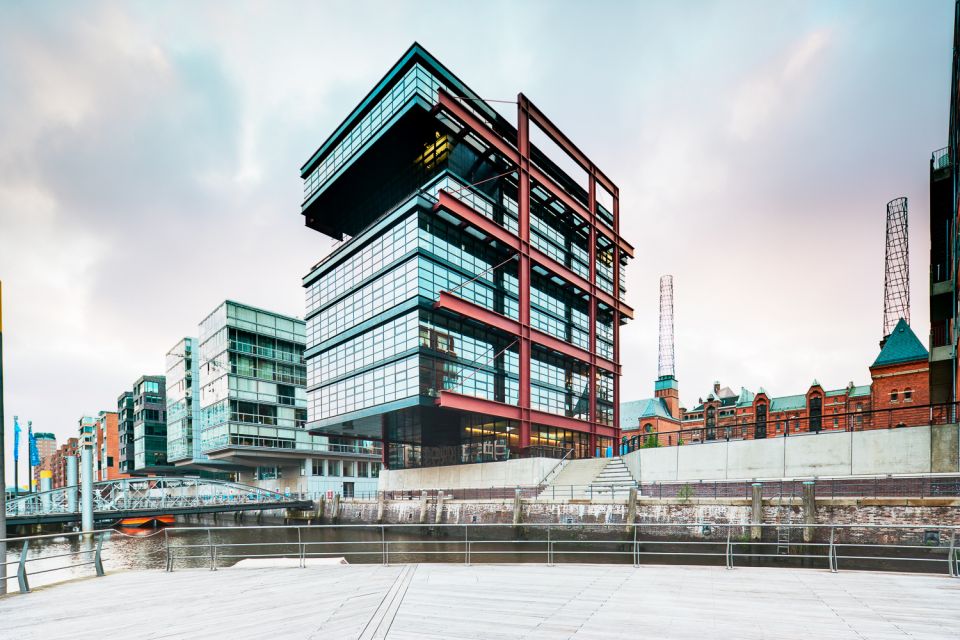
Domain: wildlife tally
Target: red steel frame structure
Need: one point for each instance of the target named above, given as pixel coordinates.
(519, 155)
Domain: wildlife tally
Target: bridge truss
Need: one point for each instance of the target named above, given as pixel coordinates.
(137, 497)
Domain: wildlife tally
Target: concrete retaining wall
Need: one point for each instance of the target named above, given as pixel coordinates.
(876, 511)
(522, 472)
(883, 451)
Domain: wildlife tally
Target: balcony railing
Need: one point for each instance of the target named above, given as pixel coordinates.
(940, 159)
(939, 334)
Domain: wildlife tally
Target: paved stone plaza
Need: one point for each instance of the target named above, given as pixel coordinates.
(489, 601)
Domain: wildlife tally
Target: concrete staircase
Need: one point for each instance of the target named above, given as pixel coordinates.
(591, 480)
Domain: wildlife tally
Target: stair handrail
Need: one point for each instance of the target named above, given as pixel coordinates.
(559, 465)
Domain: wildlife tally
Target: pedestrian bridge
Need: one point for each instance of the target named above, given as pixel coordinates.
(142, 497)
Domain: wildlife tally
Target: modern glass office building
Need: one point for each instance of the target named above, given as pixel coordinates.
(125, 415)
(150, 425)
(253, 407)
(182, 374)
(474, 312)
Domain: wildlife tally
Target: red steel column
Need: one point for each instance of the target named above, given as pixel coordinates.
(616, 321)
(591, 205)
(523, 274)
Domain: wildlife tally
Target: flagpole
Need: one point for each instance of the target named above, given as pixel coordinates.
(16, 457)
(29, 456)
(3, 487)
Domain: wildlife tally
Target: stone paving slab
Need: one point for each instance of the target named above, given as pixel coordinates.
(432, 601)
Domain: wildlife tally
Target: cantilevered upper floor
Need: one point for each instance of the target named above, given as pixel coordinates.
(401, 135)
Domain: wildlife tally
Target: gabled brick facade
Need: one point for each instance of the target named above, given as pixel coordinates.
(899, 381)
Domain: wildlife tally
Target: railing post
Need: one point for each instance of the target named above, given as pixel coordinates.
(22, 568)
(213, 566)
(98, 556)
(302, 549)
(383, 545)
(466, 545)
(636, 550)
(951, 557)
(729, 551)
(166, 547)
(549, 549)
(832, 553)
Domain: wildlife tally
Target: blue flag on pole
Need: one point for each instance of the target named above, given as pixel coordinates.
(16, 439)
(34, 453)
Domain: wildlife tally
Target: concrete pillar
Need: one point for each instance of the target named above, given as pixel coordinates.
(631, 508)
(335, 508)
(381, 506)
(86, 490)
(517, 507)
(809, 510)
(439, 517)
(72, 484)
(46, 484)
(423, 507)
(756, 513)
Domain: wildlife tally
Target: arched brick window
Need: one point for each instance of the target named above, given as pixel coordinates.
(894, 396)
(908, 395)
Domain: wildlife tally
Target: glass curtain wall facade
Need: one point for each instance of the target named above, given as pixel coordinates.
(125, 428)
(149, 424)
(474, 313)
(182, 388)
(253, 407)
(252, 395)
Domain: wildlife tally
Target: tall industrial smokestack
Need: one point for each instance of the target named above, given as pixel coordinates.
(896, 276)
(666, 362)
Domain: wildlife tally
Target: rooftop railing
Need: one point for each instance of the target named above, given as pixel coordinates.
(940, 159)
(901, 412)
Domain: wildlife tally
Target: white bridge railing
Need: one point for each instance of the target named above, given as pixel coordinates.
(131, 494)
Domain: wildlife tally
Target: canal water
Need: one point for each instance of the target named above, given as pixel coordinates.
(191, 545)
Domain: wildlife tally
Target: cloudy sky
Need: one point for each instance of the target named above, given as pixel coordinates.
(149, 157)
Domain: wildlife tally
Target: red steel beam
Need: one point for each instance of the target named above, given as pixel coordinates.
(449, 103)
(474, 218)
(567, 145)
(461, 306)
(467, 214)
(473, 404)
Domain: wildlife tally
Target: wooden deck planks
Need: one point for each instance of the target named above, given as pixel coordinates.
(603, 602)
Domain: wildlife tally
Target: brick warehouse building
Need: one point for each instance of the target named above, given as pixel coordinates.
(474, 313)
(46, 447)
(58, 461)
(899, 382)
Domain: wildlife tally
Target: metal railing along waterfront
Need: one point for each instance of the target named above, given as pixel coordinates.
(926, 548)
(920, 486)
(90, 556)
(867, 487)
